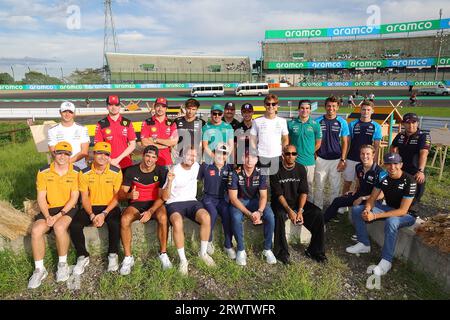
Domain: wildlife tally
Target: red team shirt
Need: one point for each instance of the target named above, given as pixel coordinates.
(152, 128)
(118, 134)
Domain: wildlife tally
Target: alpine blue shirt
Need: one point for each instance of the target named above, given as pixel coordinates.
(369, 179)
(214, 180)
(332, 131)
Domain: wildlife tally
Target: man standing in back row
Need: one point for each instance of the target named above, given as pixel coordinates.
(119, 132)
(331, 157)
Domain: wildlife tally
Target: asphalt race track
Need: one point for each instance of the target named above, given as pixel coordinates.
(36, 99)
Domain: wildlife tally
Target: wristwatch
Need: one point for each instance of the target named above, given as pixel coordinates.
(105, 213)
(343, 160)
(301, 210)
(63, 213)
(420, 170)
(260, 211)
(154, 139)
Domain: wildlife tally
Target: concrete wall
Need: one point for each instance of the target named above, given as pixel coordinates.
(410, 248)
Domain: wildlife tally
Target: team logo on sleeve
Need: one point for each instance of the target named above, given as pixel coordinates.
(153, 129)
(108, 131)
(155, 178)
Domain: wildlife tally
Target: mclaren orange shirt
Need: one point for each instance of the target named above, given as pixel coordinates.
(101, 187)
(59, 188)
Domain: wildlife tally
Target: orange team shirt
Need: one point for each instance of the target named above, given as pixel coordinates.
(58, 188)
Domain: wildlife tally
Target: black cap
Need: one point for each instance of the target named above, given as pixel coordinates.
(392, 158)
(247, 107)
(410, 117)
(151, 148)
(230, 105)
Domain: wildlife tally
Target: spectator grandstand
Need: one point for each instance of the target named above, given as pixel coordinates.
(147, 68)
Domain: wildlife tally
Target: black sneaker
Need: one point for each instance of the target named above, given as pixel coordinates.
(284, 260)
(320, 257)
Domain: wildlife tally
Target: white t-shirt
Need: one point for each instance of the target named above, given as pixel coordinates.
(184, 185)
(269, 132)
(76, 134)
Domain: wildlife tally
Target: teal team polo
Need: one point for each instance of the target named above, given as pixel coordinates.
(216, 134)
(303, 136)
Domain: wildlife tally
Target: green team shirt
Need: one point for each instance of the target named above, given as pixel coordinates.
(303, 136)
(216, 134)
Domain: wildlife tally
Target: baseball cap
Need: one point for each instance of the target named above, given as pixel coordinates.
(63, 146)
(230, 105)
(410, 117)
(102, 147)
(392, 158)
(151, 148)
(161, 101)
(247, 107)
(113, 100)
(217, 107)
(67, 106)
(221, 148)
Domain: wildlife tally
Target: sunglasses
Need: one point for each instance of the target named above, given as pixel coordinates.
(217, 113)
(102, 152)
(273, 104)
(290, 153)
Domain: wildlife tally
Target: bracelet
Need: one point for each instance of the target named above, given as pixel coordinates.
(301, 210)
(90, 215)
(343, 160)
(260, 211)
(63, 213)
(105, 213)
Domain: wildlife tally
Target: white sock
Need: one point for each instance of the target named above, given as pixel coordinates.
(39, 264)
(203, 247)
(63, 258)
(127, 259)
(181, 254)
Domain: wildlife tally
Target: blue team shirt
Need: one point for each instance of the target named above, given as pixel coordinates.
(248, 186)
(214, 180)
(369, 179)
(332, 131)
(362, 133)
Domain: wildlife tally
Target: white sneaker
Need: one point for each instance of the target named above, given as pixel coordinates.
(63, 272)
(183, 268)
(206, 258)
(382, 268)
(164, 258)
(241, 258)
(210, 249)
(113, 262)
(37, 277)
(230, 253)
(358, 248)
(342, 210)
(82, 263)
(127, 263)
(270, 258)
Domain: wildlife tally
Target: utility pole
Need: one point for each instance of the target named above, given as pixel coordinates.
(109, 34)
(440, 40)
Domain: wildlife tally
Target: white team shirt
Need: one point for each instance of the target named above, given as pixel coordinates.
(184, 185)
(269, 132)
(76, 134)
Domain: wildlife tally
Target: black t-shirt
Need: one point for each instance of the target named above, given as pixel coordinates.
(242, 136)
(248, 186)
(396, 189)
(289, 183)
(369, 179)
(192, 129)
(234, 123)
(409, 149)
(147, 184)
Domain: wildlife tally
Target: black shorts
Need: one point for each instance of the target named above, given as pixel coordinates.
(185, 208)
(54, 211)
(141, 206)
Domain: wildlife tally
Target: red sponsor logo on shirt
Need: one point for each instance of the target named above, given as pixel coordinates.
(212, 173)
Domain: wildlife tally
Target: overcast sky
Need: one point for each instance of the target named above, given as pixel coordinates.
(44, 33)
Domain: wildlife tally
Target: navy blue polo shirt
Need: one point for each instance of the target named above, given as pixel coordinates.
(214, 180)
(362, 133)
(409, 149)
(369, 179)
(332, 131)
(248, 186)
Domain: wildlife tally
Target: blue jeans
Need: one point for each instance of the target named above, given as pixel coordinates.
(237, 218)
(391, 227)
(220, 207)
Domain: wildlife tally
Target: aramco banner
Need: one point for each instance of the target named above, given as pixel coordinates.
(415, 26)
